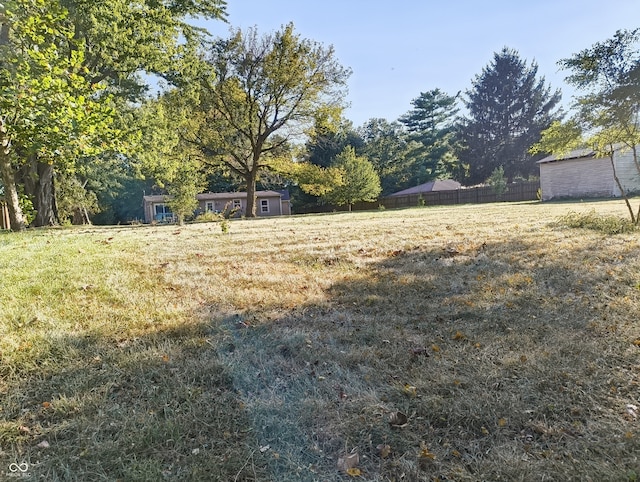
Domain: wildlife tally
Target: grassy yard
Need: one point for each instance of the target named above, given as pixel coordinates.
(459, 343)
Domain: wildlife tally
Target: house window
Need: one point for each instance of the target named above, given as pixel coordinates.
(237, 204)
(210, 206)
(264, 205)
(163, 213)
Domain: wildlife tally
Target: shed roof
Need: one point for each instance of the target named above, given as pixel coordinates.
(575, 154)
(437, 185)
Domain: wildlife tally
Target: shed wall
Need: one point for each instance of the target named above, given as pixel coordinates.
(577, 178)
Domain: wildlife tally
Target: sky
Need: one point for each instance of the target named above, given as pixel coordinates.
(400, 48)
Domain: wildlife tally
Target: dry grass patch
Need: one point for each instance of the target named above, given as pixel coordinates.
(465, 343)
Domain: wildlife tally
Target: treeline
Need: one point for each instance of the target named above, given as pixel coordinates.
(84, 134)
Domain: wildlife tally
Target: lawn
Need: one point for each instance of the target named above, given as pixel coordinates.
(460, 343)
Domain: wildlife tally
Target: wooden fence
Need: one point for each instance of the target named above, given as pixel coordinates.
(524, 191)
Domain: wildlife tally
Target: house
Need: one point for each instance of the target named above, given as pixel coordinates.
(582, 173)
(268, 203)
(431, 186)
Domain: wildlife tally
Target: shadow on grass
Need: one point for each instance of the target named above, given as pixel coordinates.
(511, 361)
(159, 407)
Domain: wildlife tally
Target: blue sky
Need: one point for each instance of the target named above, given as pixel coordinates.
(400, 48)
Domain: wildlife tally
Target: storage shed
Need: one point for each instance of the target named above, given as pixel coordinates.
(583, 174)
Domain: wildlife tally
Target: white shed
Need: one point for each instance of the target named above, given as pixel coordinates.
(582, 174)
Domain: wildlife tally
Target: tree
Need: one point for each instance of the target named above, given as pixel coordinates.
(106, 45)
(277, 83)
(388, 149)
(47, 109)
(360, 182)
(508, 107)
(430, 125)
(607, 113)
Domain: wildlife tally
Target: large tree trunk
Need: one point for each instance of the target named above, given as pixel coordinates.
(16, 217)
(38, 182)
(251, 195)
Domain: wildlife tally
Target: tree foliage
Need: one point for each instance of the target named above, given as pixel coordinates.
(430, 125)
(360, 181)
(607, 112)
(507, 109)
(260, 86)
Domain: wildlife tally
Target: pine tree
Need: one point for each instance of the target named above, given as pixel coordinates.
(508, 107)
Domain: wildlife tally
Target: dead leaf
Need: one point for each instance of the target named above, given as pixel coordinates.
(24, 429)
(46, 404)
(502, 422)
(425, 453)
(354, 472)
(419, 351)
(410, 390)
(398, 419)
(383, 450)
(459, 335)
(348, 462)
(435, 348)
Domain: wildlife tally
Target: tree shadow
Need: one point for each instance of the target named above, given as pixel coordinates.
(509, 361)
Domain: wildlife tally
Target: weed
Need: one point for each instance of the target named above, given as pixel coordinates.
(607, 224)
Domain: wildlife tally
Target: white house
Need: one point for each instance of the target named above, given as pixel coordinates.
(581, 174)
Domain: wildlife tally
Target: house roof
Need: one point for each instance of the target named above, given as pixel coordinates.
(431, 186)
(575, 154)
(209, 196)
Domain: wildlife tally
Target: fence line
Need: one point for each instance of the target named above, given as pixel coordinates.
(524, 191)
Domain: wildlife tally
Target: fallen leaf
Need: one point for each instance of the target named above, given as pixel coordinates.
(384, 450)
(502, 422)
(435, 348)
(24, 429)
(425, 453)
(459, 336)
(398, 419)
(46, 404)
(347, 462)
(419, 351)
(484, 430)
(354, 472)
(410, 390)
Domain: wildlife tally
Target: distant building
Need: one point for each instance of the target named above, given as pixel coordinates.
(581, 173)
(431, 186)
(268, 203)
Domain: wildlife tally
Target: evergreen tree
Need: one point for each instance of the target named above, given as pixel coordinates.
(508, 107)
(430, 125)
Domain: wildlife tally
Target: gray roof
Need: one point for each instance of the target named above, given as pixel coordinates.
(575, 154)
(209, 196)
(431, 186)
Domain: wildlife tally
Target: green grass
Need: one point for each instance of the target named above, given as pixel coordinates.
(509, 340)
